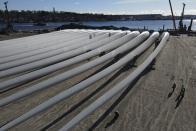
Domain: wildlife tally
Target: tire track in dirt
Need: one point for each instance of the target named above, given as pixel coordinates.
(188, 73)
(168, 112)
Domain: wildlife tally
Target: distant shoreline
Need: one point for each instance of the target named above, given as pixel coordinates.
(148, 24)
(62, 16)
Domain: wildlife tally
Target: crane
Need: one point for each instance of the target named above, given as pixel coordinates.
(6, 12)
(182, 27)
(190, 26)
(5, 3)
(9, 26)
(174, 23)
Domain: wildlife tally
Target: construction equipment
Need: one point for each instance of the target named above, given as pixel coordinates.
(190, 26)
(9, 26)
(6, 12)
(182, 27)
(174, 23)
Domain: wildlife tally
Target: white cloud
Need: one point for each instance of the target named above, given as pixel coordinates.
(190, 11)
(154, 12)
(132, 1)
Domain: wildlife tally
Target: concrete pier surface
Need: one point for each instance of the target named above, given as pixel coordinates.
(149, 104)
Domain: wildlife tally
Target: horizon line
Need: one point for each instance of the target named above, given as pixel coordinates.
(98, 13)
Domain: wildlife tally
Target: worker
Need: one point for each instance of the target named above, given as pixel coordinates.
(109, 34)
(185, 28)
(156, 44)
(90, 36)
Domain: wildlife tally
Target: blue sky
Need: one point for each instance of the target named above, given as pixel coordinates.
(104, 6)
